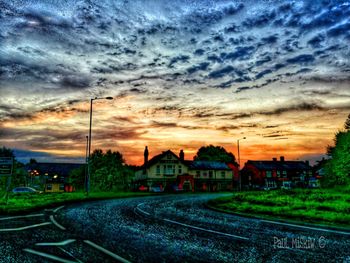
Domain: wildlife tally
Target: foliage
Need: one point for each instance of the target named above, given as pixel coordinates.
(19, 203)
(337, 168)
(77, 177)
(347, 124)
(109, 171)
(321, 206)
(32, 161)
(214, 153)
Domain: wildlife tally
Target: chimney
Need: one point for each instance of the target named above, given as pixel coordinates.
(282, 158)
(274, 159)
(145, 154)
(182, 155)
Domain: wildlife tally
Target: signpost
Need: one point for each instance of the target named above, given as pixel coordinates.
(6, 169)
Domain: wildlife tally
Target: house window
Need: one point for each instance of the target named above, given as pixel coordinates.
(168, 156)
(210, 174)
(180, 169)
(284, 173)
(268, 174)
(223, 174)
(205, 173)
(158, 169)
(49, 187)
(271, 184)
(61, 187)
(198, 173)
(169, 169)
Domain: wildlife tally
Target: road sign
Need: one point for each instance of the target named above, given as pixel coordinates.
(6, 166)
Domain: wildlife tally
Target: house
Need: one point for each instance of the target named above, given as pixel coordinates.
(169, 171)
(211, 176)
(54, 176)
(276, 174)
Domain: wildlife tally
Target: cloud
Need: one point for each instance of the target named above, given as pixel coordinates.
(301, 59)
(202, 66)
(260, 20)
(221, 72)
(263, 73)
(75, 81)
(316, 41)
(338, 30)
(240, 53)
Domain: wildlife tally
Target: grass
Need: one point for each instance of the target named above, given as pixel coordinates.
(329, 207)
(30, 202)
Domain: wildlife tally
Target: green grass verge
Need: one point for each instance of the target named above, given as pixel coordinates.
(330, 207)
(30, 202)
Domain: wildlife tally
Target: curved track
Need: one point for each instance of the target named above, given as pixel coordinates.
(172, 228)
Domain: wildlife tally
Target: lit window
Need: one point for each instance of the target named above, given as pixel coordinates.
(268, 174)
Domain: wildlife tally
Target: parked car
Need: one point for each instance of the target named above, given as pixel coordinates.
(177, 188)
(20, 190)
(156, 189)
(143, 188)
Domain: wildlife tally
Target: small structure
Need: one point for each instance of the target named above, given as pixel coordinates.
(276, 174)
(54, 176)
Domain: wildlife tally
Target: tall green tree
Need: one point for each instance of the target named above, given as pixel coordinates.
(109, 171)
(214, 153)
(337, 168)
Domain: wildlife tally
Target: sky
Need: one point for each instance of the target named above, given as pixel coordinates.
(183, 74)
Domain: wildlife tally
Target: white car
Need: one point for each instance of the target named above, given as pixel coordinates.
(20, 190)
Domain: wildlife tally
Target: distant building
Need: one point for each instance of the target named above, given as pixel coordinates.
(170, 171)
(277, 173)
(54, 176)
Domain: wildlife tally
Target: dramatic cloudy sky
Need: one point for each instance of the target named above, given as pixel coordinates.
(182, 73)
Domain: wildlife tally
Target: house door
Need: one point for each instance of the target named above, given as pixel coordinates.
(187, 186)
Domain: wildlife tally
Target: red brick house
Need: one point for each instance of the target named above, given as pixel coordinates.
(276, 174)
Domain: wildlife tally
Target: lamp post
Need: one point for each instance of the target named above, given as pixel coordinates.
(86, 163)
(239, 164)
(89, 144)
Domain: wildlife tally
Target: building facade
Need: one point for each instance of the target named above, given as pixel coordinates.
(277, 174)
(53, 176)
(169, 171)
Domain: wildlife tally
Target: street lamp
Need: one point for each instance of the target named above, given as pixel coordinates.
(239, 164)
(89, 146)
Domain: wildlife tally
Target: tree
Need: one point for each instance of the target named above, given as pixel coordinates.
(109, 171)
(337, 168)
(32, 161)
(347, 123)
(77, 177)
(214, 153)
